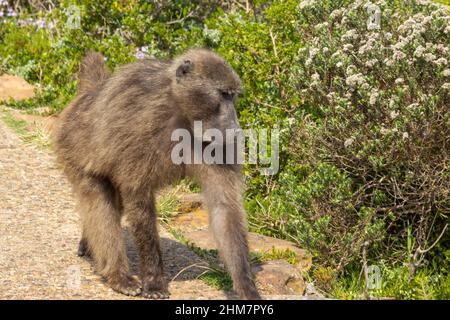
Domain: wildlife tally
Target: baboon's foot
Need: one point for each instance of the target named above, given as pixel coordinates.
(83, 249)
(248, 292)
(125, 284)
(154, 289)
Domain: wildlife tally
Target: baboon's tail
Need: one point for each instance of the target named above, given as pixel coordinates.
(92, 72)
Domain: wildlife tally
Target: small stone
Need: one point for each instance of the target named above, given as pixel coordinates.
(279, 277)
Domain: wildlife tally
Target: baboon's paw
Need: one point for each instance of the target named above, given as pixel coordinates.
(154, 288)
(83, 249)
(248, 291)
(163, 294)
(127, 285)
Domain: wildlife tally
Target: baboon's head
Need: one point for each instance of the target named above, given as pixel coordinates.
(205, 88)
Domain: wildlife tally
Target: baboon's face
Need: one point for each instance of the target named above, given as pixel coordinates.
(207, 88)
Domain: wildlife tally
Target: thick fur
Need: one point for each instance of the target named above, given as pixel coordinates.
(114, 144)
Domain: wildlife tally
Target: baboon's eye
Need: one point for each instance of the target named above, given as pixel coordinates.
(227, 95)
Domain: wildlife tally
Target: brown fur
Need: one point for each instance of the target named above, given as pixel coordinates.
(114, 144)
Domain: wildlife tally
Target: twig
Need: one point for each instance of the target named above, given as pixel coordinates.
(366, 270)
(435, 242)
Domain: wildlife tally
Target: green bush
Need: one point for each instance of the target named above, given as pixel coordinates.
(364, 116)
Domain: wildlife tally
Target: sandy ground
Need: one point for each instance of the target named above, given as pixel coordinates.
(39, 235)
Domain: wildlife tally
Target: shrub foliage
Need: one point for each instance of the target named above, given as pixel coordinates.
(364, 112)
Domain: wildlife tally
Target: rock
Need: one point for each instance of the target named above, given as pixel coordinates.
(265, 244)
(278, 277)
(13, 87)
(189, 202)
(203, 239)
(312, 292)
(191, 221)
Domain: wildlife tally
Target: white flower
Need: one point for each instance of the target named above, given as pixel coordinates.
(315, 77)
(384, 131)
(399, 81)
(339, 64)
(347, 47)
(389, 62)
(371, 63)
(419, 51)
(391, 104)
(446, 73)
(441, 48)
(306, 4)
(355, 80)
(388, 36)
(350, 69)
(394, 114)
(325, 50)
(429, 57)
(373, 97)
(321, 25)
(350, 35)
(367, 46)
(398, 55)
(405, 135)
(441, 62)
(348, 142)
(336, 54)
(446, 86)
(336, 13)
(313, 52)
(331, 96)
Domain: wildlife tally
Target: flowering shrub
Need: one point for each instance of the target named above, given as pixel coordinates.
(363, 108)
(381, 129)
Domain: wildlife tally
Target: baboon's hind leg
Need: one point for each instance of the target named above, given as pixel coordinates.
(141, 214)
(83, 247)
(83, 250)
(102, 234)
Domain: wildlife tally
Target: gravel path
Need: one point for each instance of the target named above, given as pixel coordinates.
(39, 235)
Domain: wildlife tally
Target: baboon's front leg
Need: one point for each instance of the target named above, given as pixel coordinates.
(223, 192)
(102, 234)
(141, 214)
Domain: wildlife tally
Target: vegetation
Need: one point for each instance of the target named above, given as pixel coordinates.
(364, 116)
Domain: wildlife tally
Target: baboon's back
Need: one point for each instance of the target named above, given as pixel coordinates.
(113, 117)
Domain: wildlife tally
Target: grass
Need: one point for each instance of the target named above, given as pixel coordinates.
(37, 136)
(19, 126)
(446, 2)
(395, 283)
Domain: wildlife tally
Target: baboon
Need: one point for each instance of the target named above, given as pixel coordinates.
(114, 144)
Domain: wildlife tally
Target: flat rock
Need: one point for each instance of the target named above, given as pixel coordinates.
(193, 223)
(204, 239)
(279, 277)
(189, 202)
(13, 87)
(191, 220)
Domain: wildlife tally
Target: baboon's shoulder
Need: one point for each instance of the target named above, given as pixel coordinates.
(143, 77)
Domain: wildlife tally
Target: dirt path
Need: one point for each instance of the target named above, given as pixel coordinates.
(39, 234)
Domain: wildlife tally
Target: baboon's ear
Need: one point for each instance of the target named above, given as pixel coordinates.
(184, 68)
